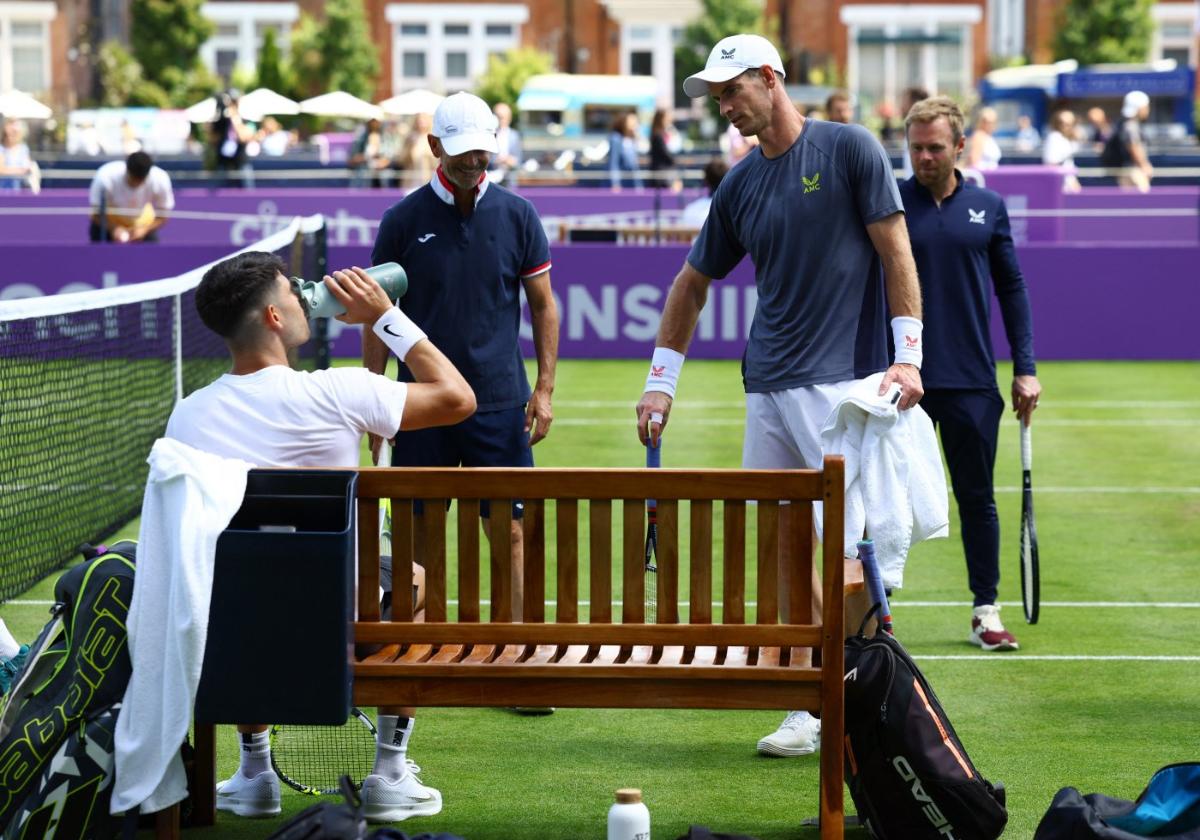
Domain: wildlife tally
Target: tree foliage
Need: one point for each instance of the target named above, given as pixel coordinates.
(1103, 31)
(166, 36)
(272, 72)
(507, 74)
(718, 19)
(335, 54)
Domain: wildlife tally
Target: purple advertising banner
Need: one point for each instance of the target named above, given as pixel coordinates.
(1095, 302)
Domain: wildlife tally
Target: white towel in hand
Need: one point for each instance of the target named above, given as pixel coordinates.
(190, 498)
(895, 487)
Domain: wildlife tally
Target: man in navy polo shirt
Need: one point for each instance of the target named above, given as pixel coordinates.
(961, 240)
(469, 247)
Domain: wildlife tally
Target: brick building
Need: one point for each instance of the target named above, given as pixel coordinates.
(875, 49)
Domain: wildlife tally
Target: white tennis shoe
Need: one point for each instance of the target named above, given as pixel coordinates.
(250, 797)
(799, 734)
(387, 800)
(988, 632)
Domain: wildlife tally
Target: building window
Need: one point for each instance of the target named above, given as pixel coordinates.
(414, 65)
(641, 63)
(456, 65)
(25, 46)
(240, 27)
(454, 41)
(892, 48)
(1175, 27)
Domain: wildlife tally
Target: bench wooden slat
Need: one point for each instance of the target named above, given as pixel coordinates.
(403, 536)
(368, 570)
(567, 516)
(533, 527)
(433, 537)
(768, 562)
(633, 577)
(468, 560)
(424, 632)
(500, 537)
(600, 542)
(801, 539)
(495, 482)
(668, 562)
(497, 670)
(701, 562)
(734, 604)
(833, 712)
(474, 689)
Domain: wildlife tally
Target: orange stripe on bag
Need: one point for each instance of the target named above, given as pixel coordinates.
(850, 757)
(945, 737)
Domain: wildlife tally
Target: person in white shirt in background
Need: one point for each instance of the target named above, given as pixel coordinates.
(983, 152)
(264, 412)
(1028, 138)
(1060, 147)
(130, 200)
(508, 141)
(15, 160)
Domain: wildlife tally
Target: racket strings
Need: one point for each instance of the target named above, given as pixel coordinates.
(314, 758)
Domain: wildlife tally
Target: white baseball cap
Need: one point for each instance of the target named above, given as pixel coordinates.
(1135, 101)
(731, 57)
(464, 123)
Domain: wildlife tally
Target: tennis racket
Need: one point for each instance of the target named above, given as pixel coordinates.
(874, 583)
(1031, 584)
(653, 461)
(312, 759)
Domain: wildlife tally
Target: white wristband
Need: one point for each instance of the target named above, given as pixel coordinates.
(906, 334)
(398, 332)
(665, 367)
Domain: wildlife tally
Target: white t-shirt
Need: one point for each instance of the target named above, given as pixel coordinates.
(279, 417)
(110, 182)
(1058, 150)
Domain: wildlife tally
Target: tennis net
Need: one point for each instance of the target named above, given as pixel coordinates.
(87, 382)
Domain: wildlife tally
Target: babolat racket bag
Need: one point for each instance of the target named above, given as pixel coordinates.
(78, 667)
(907, 771)
(1169, 808)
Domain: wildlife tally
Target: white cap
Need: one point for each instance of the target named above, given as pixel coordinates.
(1135, 101)
(731, 57)
(464, 123)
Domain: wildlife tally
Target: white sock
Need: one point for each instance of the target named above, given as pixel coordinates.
(391, 746)
(8, 645)
(255, 753)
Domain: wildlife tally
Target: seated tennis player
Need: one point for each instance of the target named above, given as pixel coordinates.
(264, 412)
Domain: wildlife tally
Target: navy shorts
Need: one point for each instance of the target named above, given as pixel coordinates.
(485, 439)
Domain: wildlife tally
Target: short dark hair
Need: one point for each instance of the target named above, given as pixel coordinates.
(714, 171)
(234, 287)
(138, 164)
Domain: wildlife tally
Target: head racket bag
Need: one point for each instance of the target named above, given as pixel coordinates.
(908, 773)
(78, 667)
(1168, 808)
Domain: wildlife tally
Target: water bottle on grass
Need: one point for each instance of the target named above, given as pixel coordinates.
(628, 818)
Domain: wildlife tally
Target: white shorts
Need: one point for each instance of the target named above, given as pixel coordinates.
(783, 429)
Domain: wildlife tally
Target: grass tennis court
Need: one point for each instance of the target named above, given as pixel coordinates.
(1102, 692)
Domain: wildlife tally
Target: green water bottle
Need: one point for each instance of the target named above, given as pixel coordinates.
(321, 304)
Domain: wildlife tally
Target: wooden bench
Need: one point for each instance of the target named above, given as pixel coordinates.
(731, 652)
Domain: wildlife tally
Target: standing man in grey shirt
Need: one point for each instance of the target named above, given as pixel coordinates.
(817, 209)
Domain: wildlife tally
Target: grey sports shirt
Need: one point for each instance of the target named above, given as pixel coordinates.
(802, 218)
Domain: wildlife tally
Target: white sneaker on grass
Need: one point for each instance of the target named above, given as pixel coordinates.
(988, 631)
(387, 800)
(799, 734)
(250, 797)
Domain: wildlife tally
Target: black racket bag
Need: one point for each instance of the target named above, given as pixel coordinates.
(907, 771)
(78, 667)
(1168, 808)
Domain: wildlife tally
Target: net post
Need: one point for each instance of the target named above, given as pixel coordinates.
(178, 307)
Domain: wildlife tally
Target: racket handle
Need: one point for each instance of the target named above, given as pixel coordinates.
(874, 582)
(654, 454)
(1026, 448)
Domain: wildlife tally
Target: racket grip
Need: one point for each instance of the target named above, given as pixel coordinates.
(654, 454)
(874, 582)
(1026, 447)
